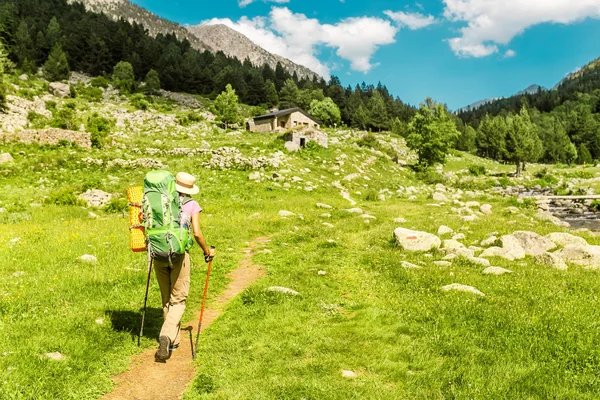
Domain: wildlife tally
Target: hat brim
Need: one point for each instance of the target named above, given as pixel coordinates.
(187, 190)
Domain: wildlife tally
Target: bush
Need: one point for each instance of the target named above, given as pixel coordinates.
(64, 197)
(477, 170)
(37, 121)
(65, 117)
(371, 195)
(431, 176)
(368, 140)
(116, 206)
(90, 93)
(99, 82)
(100, 128)
(139, 101)
(189, 119)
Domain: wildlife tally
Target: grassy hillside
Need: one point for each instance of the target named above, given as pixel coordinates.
(533, 335)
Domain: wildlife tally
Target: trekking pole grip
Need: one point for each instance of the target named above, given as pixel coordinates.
(209, 258)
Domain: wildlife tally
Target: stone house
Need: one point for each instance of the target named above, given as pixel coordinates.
(302, 136)
(283, 120)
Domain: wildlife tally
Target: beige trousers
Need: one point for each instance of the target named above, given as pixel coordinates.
(174, 283)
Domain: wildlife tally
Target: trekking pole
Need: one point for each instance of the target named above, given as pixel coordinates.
(145, 297)
(208, 259)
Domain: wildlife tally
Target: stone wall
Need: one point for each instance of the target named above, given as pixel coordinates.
(50, 136)
(303, 136)
(263, 126)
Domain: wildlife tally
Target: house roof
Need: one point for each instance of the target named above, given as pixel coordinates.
(287, 111)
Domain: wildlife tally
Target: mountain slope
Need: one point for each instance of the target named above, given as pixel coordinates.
(234, 44)
(203, 37)
(533, 89)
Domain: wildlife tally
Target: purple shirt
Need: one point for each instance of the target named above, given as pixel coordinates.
(188, 210)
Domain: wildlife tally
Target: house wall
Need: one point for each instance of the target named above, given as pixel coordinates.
(299, 119)
(308, 135)
(263, 126)
(284, 123)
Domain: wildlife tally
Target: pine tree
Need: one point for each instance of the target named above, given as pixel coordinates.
(4, 66)
(24, 48)
(288, 97)
(152, 82)
(522, 141)
(56, 67)
(378, 116)
(271, 96)
(585, 157)
(361, 117)
(226, 106)
(53, 33)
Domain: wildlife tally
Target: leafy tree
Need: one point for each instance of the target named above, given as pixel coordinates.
(399, 128)
(288, 96)
(123, 77)
(378, 116)
(522, 141)
(152, 82)
(431, 132)
(56, 67)
(585, 157)
(271, 96)
(326, 111)
(226, 106)
(360, 118)
(466, 140)
(570, 154)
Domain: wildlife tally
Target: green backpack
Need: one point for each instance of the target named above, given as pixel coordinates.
(167, 239)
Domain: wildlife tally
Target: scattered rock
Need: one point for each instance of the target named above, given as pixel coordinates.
(349, 374)
(489, 241)
(284, 290)
(6, 158)
(368, 216)
(23, 77)
(563, 239)
(18, 274)
(327, 224)
(459, 236)
(480, 261)
(407, 265)
(532, 243)
(92, 215)
(88, 258)
(355, 210)
(469, 218)
(472, 204)
(462, 288)
(438, 196)
(60, 89)
(100, 321)
(254, 176)
(323, 205)
(551, 260)
(284, 213)
(452, 244)
(56, 356)
(399, 220)
(496, 271)
(415, 240)
(586, 256)
(444, 230)
(95, 197)
(442, 263)
(486, 209)
(546, 216)
(322, 273)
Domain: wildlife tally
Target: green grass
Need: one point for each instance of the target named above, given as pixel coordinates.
(534, 335)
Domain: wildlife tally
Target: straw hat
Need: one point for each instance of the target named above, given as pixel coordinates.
(185, 183)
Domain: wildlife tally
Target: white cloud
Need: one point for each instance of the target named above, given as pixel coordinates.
(493, 22)
(297, 37)
(244, 3)
(411, 20)
(510, 53)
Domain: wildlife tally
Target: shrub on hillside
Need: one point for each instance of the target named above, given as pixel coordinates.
(65, 117)
(37, 121)
(64, 197)
(431, 176)
(477, 170)
(139, 101)
(116, 206)
(99, 82)
(99, 128)
(189, 119)
(368, 140)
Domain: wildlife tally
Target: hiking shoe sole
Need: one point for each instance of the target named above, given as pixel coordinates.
(163, 353)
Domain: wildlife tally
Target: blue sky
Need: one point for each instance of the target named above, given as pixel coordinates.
(456, 51)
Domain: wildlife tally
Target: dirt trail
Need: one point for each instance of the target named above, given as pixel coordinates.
(149, 380)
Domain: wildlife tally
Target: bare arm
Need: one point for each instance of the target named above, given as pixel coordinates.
(199, 236)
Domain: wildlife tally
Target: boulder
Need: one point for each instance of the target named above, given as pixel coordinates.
(472, 204)
(415, 240)
(551, 260)
(6, 158)
(489, 241)
(88, 258)
(407, 265)
(23, 77)
(284, 213)
(496, 271)
(284, 290)
(355, 210)
(563, 239)
(462, 288)
(444, 230)
(511, 249)
(546, 216)
(479, 261)
(292, 147)
(95, 197)
(452, 244)
(438, 196)
(486, 209)
(56, 356)
(532, 243)
(586, 256)
(443, 263)
(60, 89)
(459, 236)
(254, 176)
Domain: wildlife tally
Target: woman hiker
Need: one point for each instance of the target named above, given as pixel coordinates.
(174, 280)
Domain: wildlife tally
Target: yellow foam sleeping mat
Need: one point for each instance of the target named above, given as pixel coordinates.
(137, 237)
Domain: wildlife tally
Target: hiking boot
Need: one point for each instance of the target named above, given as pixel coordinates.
(163, 353)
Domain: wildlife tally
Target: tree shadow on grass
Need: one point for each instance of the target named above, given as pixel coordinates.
(130, 321)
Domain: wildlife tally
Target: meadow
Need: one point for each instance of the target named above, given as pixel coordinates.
(533, 335)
